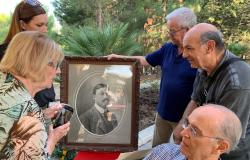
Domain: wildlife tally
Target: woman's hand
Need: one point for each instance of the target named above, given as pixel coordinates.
(52, 111)
(55, 135)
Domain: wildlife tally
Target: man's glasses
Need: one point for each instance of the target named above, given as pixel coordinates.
(172, 32)
(52, 64)
(194, 132)
(33, 2)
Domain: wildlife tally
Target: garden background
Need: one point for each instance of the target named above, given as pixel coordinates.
(137, 27)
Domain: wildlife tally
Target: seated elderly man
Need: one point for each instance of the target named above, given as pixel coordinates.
(208, 132)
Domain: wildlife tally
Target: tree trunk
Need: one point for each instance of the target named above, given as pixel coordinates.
(99, 14)
(164, 9)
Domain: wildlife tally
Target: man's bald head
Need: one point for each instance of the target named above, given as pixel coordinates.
(226, 123)
(202, 28)
(205, 32)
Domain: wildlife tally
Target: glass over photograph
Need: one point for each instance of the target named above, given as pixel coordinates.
(104, 97)
(102, 114)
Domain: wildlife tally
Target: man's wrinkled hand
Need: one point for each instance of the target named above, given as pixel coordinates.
(177, 134)
(111, 56)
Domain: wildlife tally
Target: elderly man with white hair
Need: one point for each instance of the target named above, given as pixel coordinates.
(177, 75)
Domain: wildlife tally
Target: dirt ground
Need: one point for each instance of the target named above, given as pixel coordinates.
(148, 101)
(147, 107)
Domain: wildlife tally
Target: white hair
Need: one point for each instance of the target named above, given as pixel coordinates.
(230, 127)
(185, 17)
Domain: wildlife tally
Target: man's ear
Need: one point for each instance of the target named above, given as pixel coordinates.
(186, 29)
(210, 46)
(223, 146)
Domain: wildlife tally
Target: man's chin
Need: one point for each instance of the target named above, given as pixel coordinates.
(104, 106)
(184, 149)
(105, 103)
(49, 86)
(193, 65)
(175, 42)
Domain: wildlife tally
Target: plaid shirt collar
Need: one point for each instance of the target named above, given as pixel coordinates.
(167, 151)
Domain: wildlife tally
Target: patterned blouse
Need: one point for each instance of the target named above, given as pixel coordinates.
(22, 123)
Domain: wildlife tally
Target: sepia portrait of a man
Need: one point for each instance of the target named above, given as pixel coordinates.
(98, 119)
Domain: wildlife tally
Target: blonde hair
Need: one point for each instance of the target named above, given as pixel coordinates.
(28, 55)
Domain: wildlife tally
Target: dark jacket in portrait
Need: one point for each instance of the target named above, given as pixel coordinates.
(98, 123)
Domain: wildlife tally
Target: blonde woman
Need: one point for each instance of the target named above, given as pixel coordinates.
(29, 15)
(31, 62)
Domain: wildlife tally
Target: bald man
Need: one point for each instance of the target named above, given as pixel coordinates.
(206, 135)
(222, 79)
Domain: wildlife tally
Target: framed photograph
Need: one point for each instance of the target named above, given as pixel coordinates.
(104, 94)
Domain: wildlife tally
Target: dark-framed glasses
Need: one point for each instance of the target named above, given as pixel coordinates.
(33, 2)
(194, 132)
(54, 65)
(173, 32)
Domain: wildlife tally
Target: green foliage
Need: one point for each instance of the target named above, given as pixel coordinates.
(89, 41)
(193, 4)
(135, 13)
(245, 37)
(4, 25)
(238, 48)
(154, 37)
(71, 11)
(64, 154)
(155, 84)
(155, 29)
(232, 17)
(51, 30)
(95, 12)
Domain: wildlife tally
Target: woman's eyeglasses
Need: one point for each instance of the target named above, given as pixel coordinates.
(56, 66)
(172, 32)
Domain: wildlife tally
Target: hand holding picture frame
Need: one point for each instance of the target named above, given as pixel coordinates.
(104, 94)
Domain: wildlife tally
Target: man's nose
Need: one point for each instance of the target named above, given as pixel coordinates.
(106, 95)
(184, 54)
(185, 132)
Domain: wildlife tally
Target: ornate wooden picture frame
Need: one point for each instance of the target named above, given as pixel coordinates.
(104, 94)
